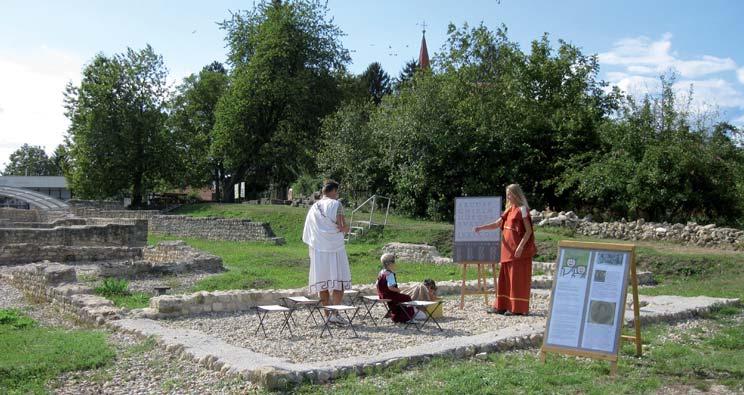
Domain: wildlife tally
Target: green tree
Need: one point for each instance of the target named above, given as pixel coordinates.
(117, 135)
(191, 121)
(376, 82)
(406, 75)
(285, 58)
(60, 159)
(490, 115)
(350, 153)
(30, 160)
(658, 161)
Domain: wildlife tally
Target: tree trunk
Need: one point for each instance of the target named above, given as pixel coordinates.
(217, 182)
(137, 191)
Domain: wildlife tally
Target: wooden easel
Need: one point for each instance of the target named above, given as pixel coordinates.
(611, 357)
(482, 287)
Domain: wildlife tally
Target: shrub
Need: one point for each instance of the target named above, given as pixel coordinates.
(14, 319)
(113, 287)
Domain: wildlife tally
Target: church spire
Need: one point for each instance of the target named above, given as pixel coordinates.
(423, 59)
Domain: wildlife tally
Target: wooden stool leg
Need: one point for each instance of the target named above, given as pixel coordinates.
(482, 283)
(462, 288)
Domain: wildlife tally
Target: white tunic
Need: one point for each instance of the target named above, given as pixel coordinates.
(329, 264)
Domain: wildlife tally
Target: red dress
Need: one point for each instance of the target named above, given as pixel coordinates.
(396, 298)
(515, 275)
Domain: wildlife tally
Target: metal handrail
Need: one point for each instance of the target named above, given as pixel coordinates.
(372, 198)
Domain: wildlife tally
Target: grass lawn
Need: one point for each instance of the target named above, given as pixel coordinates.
(31, 355)
(680, 270)
(697, 357)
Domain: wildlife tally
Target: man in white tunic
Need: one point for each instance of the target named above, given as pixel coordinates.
(324, 231)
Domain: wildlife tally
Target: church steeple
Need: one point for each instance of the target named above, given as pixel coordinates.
(423, 59)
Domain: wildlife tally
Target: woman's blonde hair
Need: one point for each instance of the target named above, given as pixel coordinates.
(516, 190)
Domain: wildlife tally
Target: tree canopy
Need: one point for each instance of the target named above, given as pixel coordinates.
(191, 122)
(117, 135)
(285, 58)
(31, 160)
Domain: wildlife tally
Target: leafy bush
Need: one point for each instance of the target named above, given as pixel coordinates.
(113, 287)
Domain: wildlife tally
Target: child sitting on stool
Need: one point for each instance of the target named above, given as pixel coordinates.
(387, 288)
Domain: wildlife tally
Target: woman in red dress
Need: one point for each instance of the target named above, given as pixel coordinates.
(517, 250)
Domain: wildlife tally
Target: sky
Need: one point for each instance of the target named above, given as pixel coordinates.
(45, 44)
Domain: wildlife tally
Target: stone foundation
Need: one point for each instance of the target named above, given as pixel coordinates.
(165, 258)
(57, 284)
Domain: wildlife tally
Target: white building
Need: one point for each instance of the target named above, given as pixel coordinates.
(54, 186)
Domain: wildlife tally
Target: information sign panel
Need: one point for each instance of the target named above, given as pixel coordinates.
(482, 246)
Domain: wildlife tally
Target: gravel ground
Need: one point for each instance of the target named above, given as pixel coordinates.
(238, 329)
(143, 368)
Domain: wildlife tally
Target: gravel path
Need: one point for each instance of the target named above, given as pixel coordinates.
(305, 346)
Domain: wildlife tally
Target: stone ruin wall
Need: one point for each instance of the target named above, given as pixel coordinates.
(111, 235)
(691, 233)
(93, 212)
(57, 284)
(229, 229)
(13, 254)
(70, 240)
(18, 215)
(214, 228)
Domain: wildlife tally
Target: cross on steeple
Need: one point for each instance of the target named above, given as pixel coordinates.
(423, 26)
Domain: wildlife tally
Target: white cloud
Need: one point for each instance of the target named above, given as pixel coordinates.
(641, 55)
(636, 63)
(634, 84)
(712, 92)
(739, 121)
(31, 97)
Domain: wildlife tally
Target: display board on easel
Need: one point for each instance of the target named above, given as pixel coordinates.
(587, 304)
(481, 249)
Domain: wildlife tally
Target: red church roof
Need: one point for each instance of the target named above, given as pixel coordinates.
(423, 59)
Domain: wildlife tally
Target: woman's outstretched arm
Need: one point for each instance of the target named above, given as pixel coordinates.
(492, 225)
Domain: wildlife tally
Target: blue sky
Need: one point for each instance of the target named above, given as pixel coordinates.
(46, 43)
